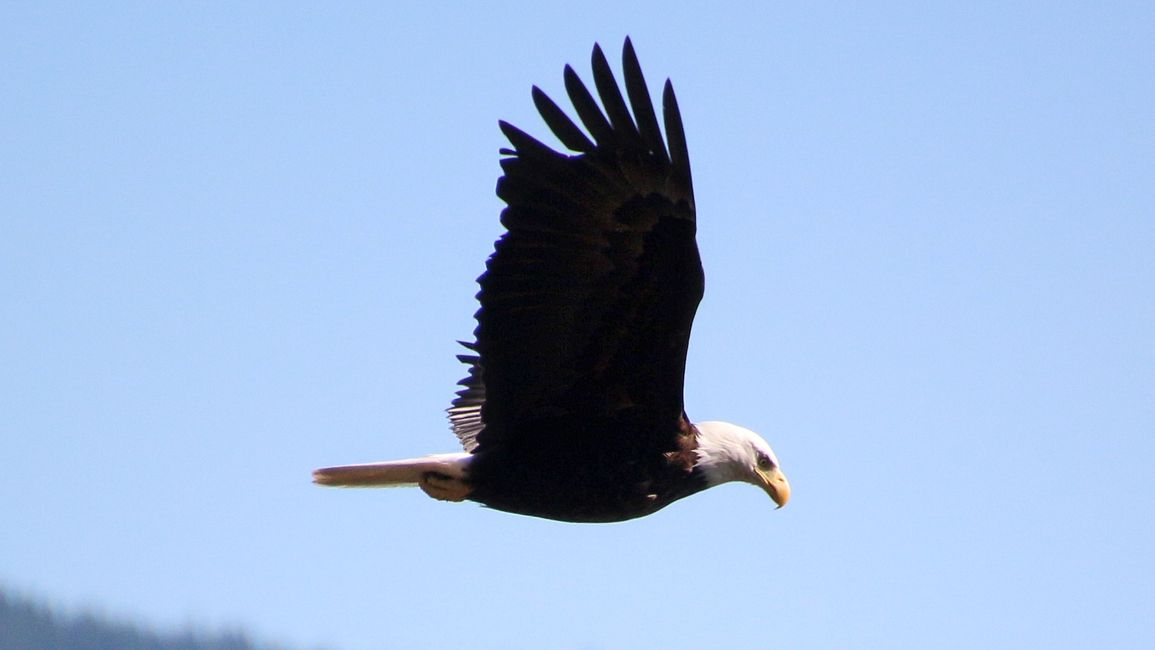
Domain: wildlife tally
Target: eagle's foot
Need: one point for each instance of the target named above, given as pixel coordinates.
(444, 488)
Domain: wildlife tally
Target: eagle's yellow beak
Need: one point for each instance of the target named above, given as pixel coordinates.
(776, 485)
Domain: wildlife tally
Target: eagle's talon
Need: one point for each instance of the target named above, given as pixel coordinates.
(444, 488)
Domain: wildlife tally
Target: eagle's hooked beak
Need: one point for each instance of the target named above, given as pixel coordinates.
(776, 485)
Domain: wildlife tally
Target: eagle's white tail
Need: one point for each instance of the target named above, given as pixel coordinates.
(394, 473)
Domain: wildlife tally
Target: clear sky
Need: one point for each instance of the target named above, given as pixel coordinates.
(238, 241)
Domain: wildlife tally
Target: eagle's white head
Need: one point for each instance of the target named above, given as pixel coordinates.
(728, 452)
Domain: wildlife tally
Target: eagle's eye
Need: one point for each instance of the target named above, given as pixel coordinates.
(764, 462)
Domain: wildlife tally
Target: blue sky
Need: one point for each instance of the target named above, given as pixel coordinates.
(238, 241)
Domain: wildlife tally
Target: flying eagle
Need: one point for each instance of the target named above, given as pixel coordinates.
(572, 408)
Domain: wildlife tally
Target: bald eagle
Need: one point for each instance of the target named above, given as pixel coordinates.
(572, 408)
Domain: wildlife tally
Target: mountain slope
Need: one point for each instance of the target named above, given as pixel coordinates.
(28, 625)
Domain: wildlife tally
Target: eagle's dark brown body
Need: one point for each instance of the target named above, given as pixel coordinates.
(601, 481)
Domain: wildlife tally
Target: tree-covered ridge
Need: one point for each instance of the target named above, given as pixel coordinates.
(29, 625)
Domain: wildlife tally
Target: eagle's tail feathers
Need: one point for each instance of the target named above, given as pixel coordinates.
(394, 473)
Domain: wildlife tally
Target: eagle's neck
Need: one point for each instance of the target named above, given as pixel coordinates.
(722, 454)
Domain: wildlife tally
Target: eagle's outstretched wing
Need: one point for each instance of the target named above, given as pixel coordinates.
(589, 297)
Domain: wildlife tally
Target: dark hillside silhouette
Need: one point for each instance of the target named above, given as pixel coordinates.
(28, 625)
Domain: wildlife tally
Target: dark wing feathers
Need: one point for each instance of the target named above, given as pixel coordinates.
(612, 100)
(640, 101)
(465, 413)
(679, 154)
(568, 132)
(587, 109)
(589, 297)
